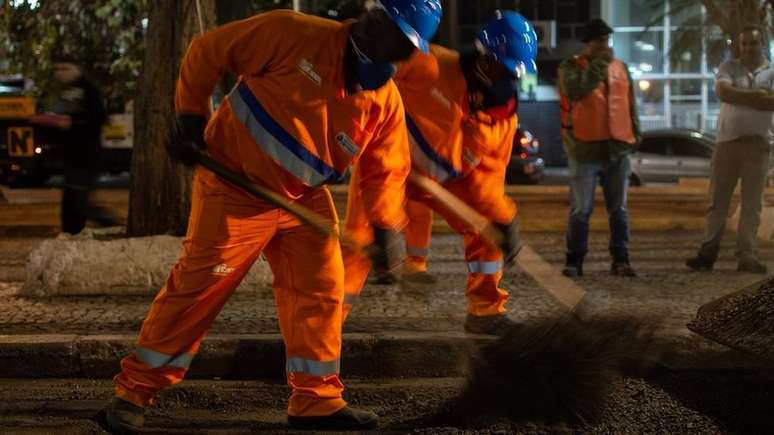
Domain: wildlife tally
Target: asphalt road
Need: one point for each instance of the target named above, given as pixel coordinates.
(657, 403)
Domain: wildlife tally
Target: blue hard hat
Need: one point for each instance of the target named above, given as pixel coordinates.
(418, 19)
(510, 38)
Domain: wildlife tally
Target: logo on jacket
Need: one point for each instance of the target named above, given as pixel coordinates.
(222, 269)
(346, 143)
(307, 68)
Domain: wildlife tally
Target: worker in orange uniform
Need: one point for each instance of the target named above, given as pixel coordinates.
(461, 118)
(313, 97)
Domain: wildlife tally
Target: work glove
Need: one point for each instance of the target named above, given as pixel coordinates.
(187, 138)
(386, 254)
(511, 243)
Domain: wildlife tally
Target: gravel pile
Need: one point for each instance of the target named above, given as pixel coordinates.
(743, 320)
(552, 370)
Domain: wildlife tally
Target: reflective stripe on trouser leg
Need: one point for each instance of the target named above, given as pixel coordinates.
(216, 256)
(418, 233)
(485, 297)
(309, 292)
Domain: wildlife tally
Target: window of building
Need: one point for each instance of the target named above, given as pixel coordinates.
(672, 65)
(642, 51)
(633, 13)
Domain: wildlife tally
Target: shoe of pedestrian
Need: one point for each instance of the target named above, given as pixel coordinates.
(622, 269)
(700, 264)
(751, 265)
(573, 266)
(497, 324)
(123, 417)
(346, 418)
(420, 277)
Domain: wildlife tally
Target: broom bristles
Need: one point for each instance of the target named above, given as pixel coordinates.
(743, 320)
(552, 370)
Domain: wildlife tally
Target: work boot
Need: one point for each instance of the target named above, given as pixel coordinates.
(346, 418)
(387, 278)
(573, 266)
(700, 264)
(751, 265)
(420, 277)
(123, 417)
(497, 324)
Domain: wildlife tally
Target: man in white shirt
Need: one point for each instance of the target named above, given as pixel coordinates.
(745, 88)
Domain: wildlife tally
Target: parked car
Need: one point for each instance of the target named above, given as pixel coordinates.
(526, 166)
(669, 154)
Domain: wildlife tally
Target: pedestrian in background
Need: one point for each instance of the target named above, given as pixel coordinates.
(81, 113)
(744, 87)
(600, 128)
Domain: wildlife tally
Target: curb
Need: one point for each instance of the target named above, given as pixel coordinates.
(388, 355)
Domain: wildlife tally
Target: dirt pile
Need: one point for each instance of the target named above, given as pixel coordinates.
(552, 370)
(743, 320)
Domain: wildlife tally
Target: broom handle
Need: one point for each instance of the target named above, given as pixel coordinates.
(320, 223)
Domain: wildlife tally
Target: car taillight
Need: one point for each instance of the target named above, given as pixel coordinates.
(523, 156)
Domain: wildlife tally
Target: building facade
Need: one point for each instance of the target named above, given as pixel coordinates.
(669, 61)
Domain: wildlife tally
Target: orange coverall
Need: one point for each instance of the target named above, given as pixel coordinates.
(287, 125)
(466, 152)
(418, 232)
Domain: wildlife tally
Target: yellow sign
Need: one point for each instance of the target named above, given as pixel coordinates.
(21, 142)
(114, 132)
(16, 107)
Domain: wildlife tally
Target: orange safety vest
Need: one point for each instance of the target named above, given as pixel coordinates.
(604, 113)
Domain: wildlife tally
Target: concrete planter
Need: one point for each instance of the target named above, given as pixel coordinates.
(103, 263)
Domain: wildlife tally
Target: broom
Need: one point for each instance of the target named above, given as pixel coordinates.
(556, 369)
(743, 320)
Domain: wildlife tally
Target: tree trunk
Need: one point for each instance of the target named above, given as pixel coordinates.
(160, 190)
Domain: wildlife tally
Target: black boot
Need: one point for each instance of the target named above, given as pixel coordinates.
(123, 417)
(346, 418)
(621, 267)
(573, 266)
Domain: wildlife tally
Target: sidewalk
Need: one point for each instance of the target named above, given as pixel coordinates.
(391, 331)
(543, 208)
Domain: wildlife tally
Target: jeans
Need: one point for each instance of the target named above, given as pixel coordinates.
(614, 179)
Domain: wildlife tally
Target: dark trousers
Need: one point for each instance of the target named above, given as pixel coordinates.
(77, 207)
(614, 178)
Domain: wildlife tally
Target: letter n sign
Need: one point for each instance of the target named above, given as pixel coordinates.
(21, 142)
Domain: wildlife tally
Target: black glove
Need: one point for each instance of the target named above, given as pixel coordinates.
(511, 244)
(188, 136)
(386, 253)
